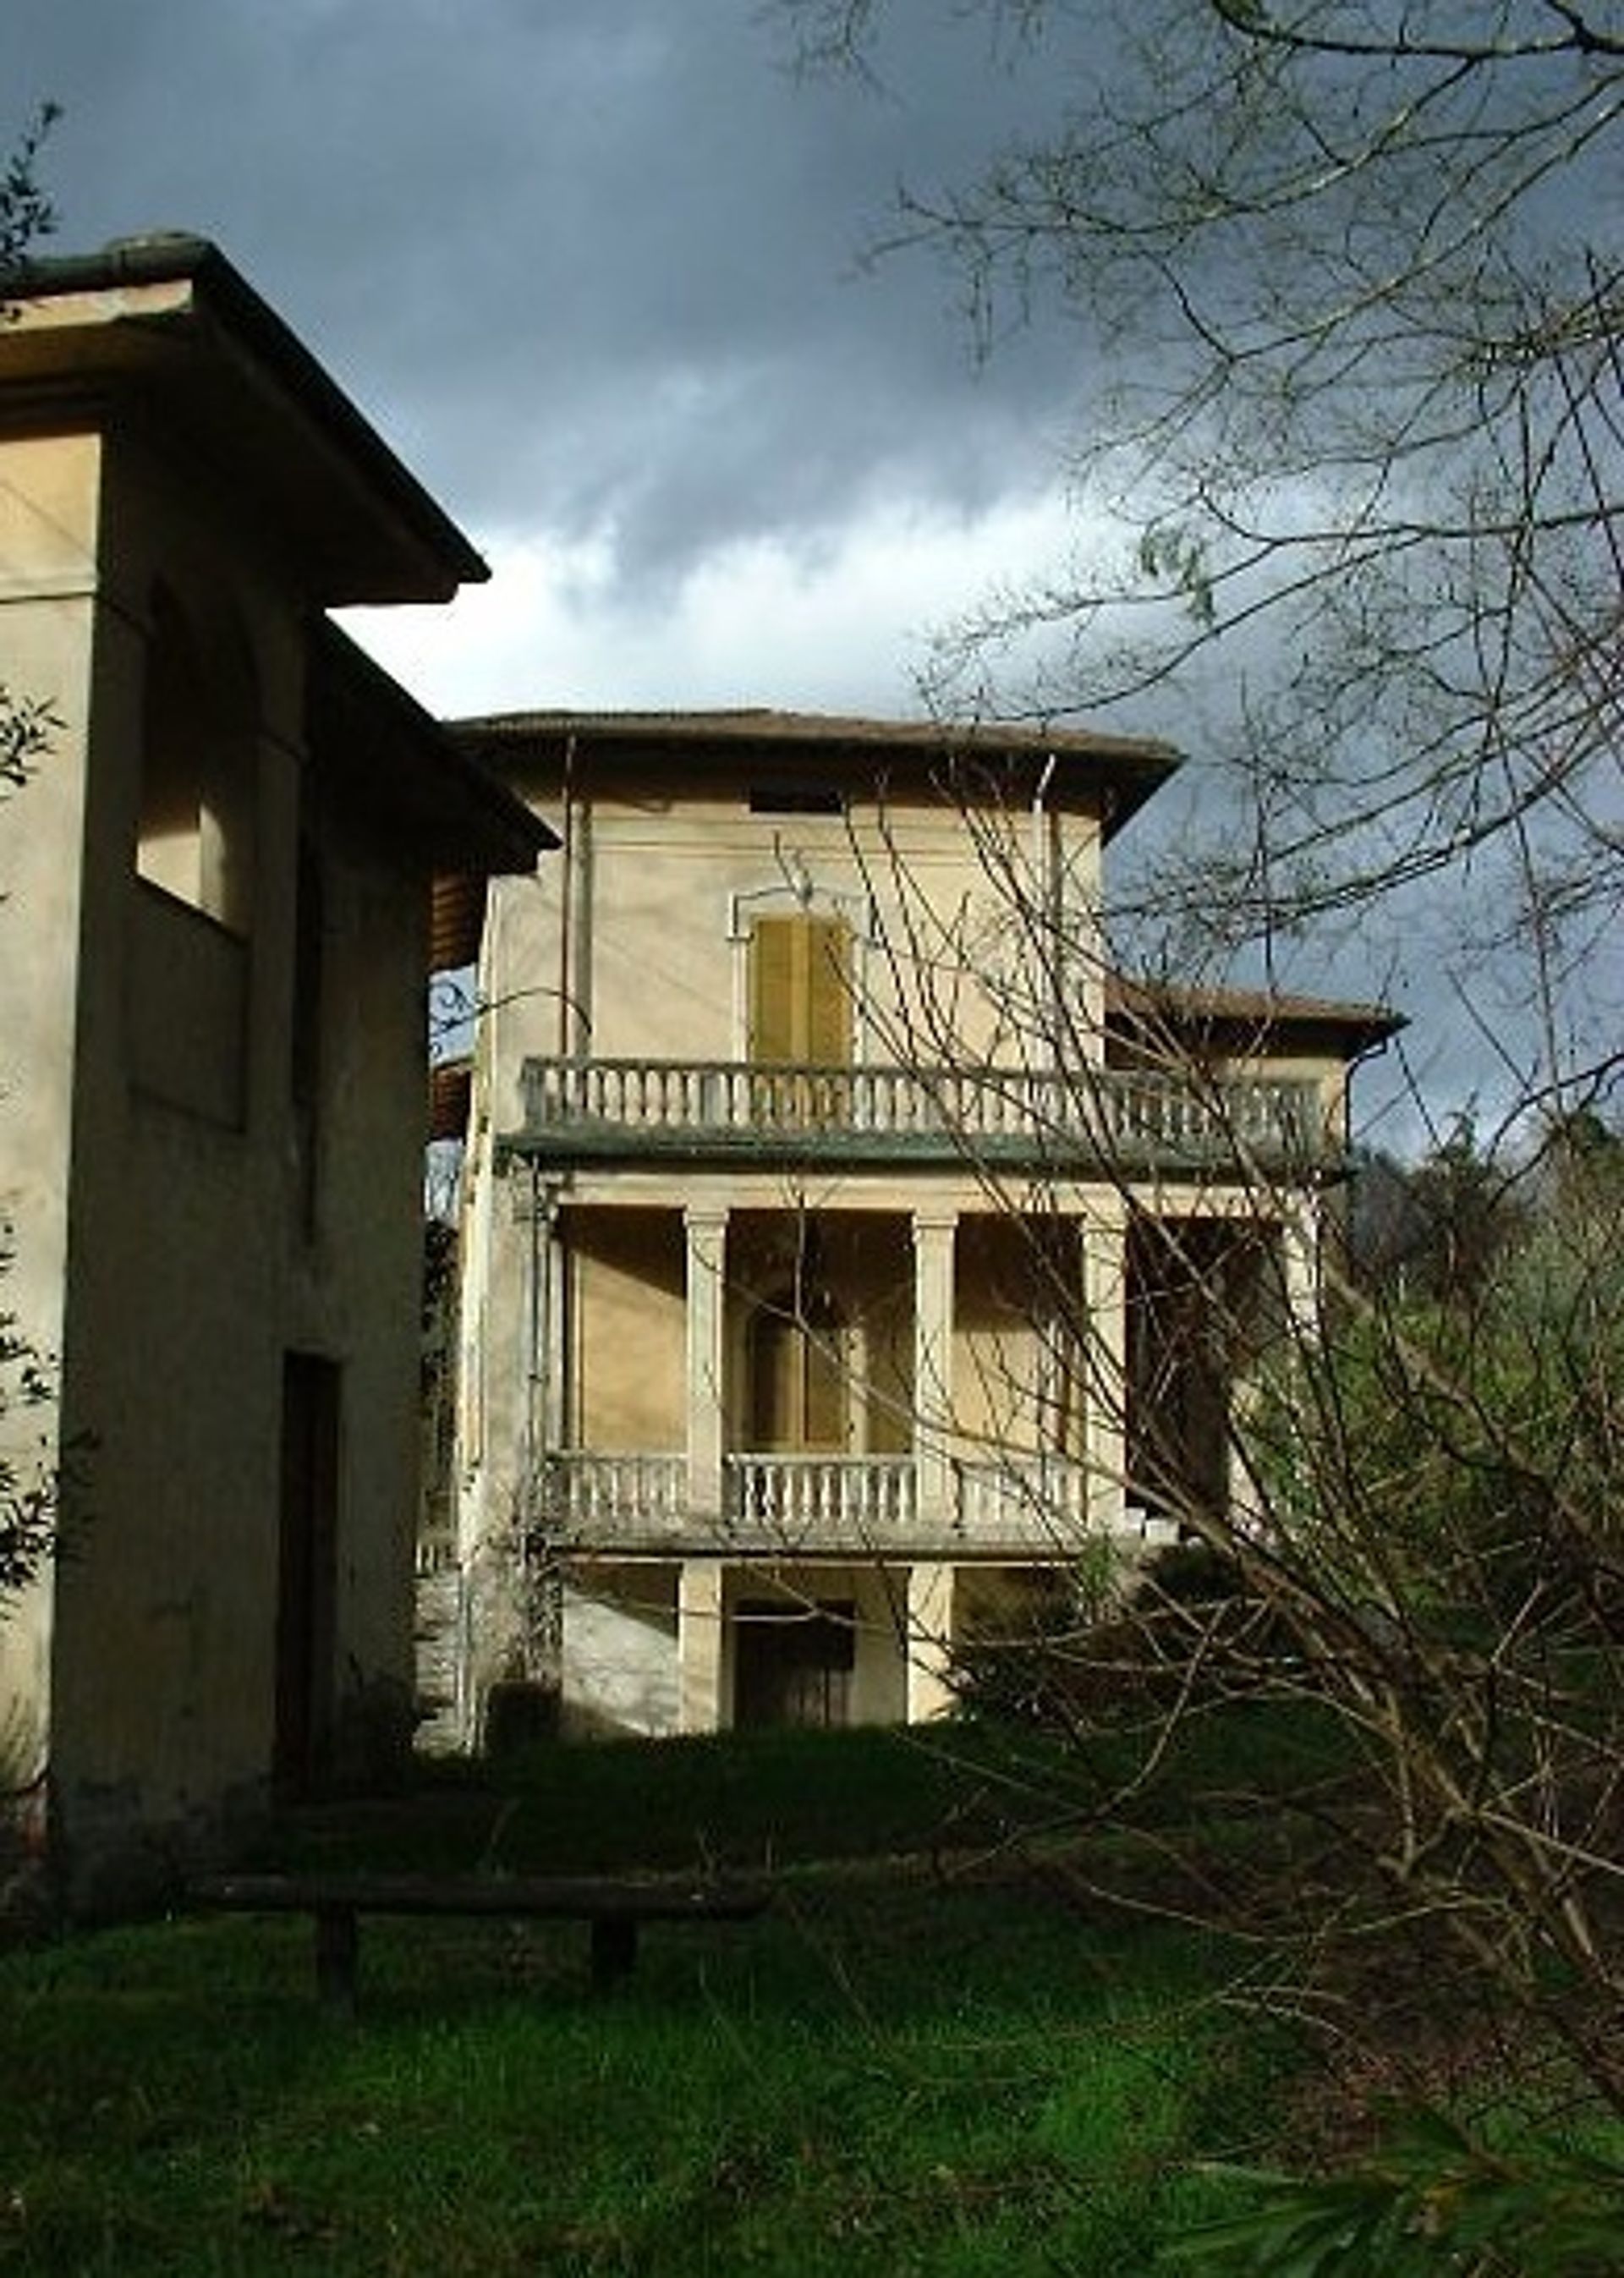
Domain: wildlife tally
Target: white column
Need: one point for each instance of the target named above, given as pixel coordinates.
(546, 1367)
(1105, 1290)
(1300, 1293)
(698, 1645)
(556, 1419)
(1299, 1268)
(932, 1366)
(707, 1242)
(929, 1640)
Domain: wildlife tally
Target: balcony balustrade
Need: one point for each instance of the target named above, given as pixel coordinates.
(1038, 1501)
(855, 1502)
(639, 1502)
(779, 1505)
(580, 1109)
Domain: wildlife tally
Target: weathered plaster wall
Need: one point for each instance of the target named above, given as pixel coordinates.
(49, 500)
(628, 1296)
(620, 1638)
(167, 1223)
(651, 886)
(621, 1651)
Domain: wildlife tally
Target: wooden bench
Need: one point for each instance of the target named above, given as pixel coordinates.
(616, 1909)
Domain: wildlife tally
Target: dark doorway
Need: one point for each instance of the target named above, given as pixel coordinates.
(1194, 1310)
(792, 1664)
(798, 1379)
(307, 1575)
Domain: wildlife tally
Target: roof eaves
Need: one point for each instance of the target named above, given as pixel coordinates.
(1145, 1002)
(497, 830)
(176, 257)
(1129, 769)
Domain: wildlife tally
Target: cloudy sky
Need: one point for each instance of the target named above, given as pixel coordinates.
(593, 268)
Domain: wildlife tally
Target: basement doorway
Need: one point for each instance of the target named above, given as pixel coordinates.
(793, 1664)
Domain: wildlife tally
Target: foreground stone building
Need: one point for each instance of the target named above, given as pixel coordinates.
(843, 1239)
(214, 940)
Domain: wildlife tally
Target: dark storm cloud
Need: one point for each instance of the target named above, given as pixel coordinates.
(591, 263)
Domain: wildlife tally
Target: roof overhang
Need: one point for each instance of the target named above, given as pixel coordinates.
(1244, 1021)
(164, 327)
(403, 768)
(1113, 775)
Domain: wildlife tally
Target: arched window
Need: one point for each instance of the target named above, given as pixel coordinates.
(194, 833)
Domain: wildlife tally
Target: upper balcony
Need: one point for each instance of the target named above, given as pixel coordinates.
(596, 1111)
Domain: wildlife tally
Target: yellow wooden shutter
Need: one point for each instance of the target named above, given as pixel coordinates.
(827, 997)
(772, 989)
(800, 994)
(797, 1379)
(773, 1421)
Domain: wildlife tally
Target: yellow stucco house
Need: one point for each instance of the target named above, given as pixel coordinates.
(841, 1235)
(214, 942)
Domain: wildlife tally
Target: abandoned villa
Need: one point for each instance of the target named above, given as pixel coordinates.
(844, 1243)
(835, 1222)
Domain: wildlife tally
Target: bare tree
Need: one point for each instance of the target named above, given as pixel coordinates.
(26, 214)
(1396, 1488)
(1344, 280)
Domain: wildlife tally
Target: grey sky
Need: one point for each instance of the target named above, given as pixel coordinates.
(592, 268)
(590, 265)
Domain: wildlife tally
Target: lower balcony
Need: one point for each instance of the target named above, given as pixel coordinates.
(1030, 1507)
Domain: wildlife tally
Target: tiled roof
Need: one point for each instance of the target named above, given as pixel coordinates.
(1147, 1004)
(762, 725)
(1127, 769)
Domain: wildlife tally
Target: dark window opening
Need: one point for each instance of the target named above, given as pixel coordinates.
(796, 798)
(305, 1027)
(798, 1384)
(195, 827)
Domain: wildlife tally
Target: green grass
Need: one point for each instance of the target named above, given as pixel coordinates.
(780, 1799)
(918, 2061)
(859, 2086)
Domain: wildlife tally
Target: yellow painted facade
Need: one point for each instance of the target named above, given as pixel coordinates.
(802, 1314)
(213, 947)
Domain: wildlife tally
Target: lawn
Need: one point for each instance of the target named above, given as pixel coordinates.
(926, 2057)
